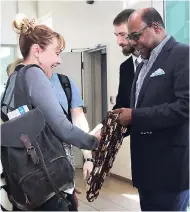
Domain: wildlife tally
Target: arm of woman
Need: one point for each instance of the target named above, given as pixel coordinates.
(42, 96)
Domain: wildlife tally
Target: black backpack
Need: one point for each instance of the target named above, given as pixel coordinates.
(66, 85)
(34, 161)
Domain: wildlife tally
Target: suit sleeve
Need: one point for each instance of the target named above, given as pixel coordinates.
(119, 94)
(167, 115)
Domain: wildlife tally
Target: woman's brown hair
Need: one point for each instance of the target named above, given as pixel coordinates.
(30, 34)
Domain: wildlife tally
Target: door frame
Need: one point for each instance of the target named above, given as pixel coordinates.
(90, 79)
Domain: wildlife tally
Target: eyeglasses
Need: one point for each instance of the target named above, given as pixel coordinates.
(136, 35)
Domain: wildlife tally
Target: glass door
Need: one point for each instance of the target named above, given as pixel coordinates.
(177, 19)
(7, 56)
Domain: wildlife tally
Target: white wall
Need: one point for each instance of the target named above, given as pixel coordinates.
(138, 4)
(29, 8)
(8, 12)
(9, 9)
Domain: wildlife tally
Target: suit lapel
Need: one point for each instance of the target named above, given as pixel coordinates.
(159, 60)
(133, 89)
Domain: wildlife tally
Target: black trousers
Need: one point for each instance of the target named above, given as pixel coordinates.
(163, 200)
(53, 205)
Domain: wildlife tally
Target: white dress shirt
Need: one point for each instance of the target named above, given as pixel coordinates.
(135, 61)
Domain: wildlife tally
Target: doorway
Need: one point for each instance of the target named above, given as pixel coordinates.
(94, 76)
(88, 69)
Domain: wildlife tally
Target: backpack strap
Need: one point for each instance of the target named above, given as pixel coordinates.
(21, 92)
(21, 96)
(4, 117)
(66, 85)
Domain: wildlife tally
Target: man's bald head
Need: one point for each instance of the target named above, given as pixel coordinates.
(151, 15)
(146, 15)
(146, 30)
(135, 20)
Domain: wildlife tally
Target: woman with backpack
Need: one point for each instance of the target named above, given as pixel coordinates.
(41, 46)
(69, 98)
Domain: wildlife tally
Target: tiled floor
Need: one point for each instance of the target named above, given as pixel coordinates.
(115, 195)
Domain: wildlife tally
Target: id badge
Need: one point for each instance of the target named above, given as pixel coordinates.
(19, 111)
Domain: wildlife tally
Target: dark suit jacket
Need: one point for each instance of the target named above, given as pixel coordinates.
(125, 84)
(160, 123)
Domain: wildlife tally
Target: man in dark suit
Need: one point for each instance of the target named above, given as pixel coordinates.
(127, 68)
(159, 115)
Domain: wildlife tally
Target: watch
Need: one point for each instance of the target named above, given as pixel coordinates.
(89, 159)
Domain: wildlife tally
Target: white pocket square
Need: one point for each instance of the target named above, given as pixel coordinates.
(158, 72)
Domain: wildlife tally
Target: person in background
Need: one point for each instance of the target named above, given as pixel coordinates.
(159, 115)
(11, 67)
(128, 67)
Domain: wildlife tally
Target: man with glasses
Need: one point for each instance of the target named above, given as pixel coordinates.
(159, 118)
(128, 67)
